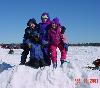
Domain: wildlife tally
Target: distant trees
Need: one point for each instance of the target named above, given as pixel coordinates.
(18, 46)
(10, 46)
(85, 44)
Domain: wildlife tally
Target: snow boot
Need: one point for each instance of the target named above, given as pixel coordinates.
(42, 63)
(22, 63)
(24, 56)
(36, 64)
(54, 65)
(30, 62)
(62, 62)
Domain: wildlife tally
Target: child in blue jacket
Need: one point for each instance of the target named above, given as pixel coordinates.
(36, 53)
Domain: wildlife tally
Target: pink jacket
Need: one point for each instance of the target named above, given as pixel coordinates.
(54, 36)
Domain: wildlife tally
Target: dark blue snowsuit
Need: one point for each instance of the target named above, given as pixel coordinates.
(27, 36)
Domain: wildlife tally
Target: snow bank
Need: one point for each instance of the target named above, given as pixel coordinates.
(72, 75)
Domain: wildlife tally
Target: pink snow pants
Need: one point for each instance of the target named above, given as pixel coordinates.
(54, 52)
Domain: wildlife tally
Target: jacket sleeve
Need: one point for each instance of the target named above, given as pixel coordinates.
(38, 28)
(29, 43)
(47, 32)
(64, 39)
(63, 29)
(49, 40)
(26, 34)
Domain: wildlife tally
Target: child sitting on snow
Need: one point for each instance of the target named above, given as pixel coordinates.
(56, 39)
(36, 54)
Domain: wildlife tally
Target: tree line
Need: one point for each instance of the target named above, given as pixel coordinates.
(18, 46)
(84, 44)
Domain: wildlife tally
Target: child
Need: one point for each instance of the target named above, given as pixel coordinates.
(56, 39)
(36, 54)
(32, 27)
(43, 35)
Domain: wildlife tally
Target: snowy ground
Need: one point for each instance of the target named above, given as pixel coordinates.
(72, 75)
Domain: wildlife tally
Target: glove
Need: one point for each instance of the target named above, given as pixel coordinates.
(63, 29)
(66, 46)
(44, 42)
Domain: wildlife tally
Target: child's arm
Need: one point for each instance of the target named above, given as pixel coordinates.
(64, 41)
(29, 43)
(63, 29)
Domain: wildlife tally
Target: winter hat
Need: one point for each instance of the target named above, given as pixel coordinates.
(56, 21)
(45, 16)
(31, 21)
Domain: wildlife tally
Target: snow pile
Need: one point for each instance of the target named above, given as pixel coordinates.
(72, 75)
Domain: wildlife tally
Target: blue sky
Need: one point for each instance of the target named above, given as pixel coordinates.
(81, 18)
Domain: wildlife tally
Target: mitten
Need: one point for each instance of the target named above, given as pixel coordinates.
(44, 42)
(66, 46)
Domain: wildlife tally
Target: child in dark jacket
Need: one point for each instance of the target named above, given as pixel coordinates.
(56, 39)
(36, 54)
(31, 27)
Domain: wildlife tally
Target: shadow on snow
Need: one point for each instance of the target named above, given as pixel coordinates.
(4, 66)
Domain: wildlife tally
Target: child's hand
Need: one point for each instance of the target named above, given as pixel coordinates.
(66, 46)
(44, 42)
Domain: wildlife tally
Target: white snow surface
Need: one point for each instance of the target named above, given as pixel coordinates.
(13, 75)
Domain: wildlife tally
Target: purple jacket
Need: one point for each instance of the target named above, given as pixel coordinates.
(44, 30)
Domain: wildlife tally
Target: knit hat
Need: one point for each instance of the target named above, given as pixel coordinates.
(45, 15)
(56, 21)
(31, 21)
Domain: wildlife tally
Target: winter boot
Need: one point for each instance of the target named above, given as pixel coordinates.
(24, 56)
(62, 62)
(30, 62)
(36, 64)
(42, 63)
(55, 65)
(22, 63)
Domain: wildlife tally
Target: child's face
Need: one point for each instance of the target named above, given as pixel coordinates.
(54, 25)
(32, 25)
(44, 20)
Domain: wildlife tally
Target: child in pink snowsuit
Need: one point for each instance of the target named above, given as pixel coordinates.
(56, 39)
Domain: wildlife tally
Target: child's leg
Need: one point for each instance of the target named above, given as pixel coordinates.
(41, 62)
(63, 52)
(53, 53)
(24, 56)
(36, 63)
(30, 62)
(46, 56)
